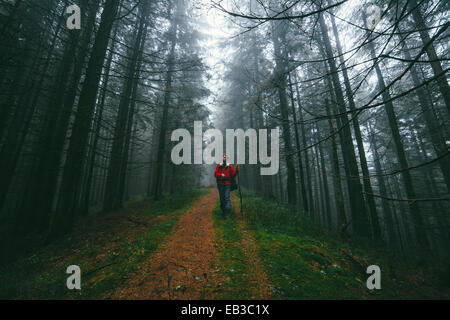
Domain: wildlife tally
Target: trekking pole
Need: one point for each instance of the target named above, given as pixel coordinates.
(240, 194)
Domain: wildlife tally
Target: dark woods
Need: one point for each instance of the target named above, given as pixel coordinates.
(364, 109)
(85, 113)
(360, 93)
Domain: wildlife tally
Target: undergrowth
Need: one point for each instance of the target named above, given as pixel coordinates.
(43, 275)
(306, 261)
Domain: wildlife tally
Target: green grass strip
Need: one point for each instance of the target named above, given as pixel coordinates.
(44, 277)
(305, 261)
(232, 262)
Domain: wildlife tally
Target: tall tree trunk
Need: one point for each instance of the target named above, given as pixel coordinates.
(114, 186)
(310, 207)
(20, 122)
(338, 193)
(131, 117)
(435, 132)
(86, 193)
(397, 222)
(324, 181)
(161, 149)
(400, 151)
(320, 188)
(280, 83)
(55, 129)
(376, 231)
(66, 208)
(358, 211)
(387, 212)
(299, 153)
(431, 52)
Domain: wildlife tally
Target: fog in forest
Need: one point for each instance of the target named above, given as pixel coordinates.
(357, 89)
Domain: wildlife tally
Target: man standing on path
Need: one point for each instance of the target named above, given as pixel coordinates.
(224, 174)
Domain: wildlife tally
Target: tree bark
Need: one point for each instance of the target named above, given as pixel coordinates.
(113, 198)
(431, 52)
(161, 150)
(376, 230)
(280, 83)
(400, 151)
(358, 211)
(66, 208)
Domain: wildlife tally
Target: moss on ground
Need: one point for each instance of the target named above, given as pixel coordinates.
(43, 276)
(232, 263)
(305, 261)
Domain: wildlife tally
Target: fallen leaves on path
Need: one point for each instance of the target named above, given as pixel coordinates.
(179, 268)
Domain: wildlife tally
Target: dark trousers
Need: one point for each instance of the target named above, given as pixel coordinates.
(225, 203)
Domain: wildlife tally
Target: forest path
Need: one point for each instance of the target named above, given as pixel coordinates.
(179, 268)
(193, 262)
(258, 279)
(240, 273)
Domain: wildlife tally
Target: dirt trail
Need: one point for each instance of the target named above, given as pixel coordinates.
(180, 267)
(258, 280)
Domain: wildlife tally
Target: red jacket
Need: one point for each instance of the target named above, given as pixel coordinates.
(228, 171)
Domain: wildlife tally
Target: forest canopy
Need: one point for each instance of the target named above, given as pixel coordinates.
(358, 89)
